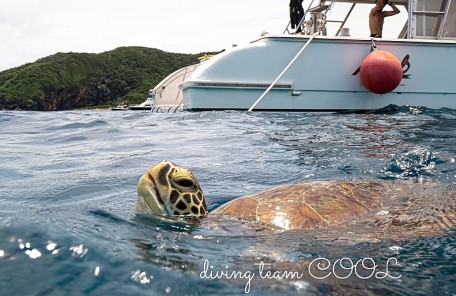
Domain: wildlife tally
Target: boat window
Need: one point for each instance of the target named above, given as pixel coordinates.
(449, 29)
(428, 18)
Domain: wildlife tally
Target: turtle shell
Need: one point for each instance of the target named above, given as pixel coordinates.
(307, 205)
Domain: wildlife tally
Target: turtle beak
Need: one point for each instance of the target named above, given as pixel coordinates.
(150, 200)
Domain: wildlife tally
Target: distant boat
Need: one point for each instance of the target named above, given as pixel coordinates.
(121, 107)
(322, 73)
(146, 105)
(124, 106)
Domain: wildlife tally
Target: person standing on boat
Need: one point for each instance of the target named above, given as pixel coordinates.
(296, 14)
(377, 15)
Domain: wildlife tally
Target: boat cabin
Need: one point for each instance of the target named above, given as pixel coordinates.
(426, 19)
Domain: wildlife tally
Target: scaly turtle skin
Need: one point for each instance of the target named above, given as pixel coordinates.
(168, 190)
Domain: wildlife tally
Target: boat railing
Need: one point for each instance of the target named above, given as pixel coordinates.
(342, 23)
(166, 109)
(300, 23)
(427, 19)
(318, 19)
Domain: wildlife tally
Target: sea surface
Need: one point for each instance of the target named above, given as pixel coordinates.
(68, 190)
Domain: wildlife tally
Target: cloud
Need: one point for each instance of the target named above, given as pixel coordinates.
(31, 29)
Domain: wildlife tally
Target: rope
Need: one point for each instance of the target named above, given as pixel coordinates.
(284, 71)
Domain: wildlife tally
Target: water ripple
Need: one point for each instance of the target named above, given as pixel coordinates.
(68, 189)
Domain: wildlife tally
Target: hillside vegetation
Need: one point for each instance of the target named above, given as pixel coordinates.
(75, 80)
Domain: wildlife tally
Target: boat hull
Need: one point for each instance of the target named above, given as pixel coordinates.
(324, 78)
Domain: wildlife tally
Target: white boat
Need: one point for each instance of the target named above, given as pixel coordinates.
(121, 107)
(166, 93)
(314, 72)
(146, 105)
(167, 96)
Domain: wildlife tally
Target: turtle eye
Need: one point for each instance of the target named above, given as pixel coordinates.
(185, 183)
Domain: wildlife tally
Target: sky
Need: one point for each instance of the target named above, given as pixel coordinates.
(32, 29)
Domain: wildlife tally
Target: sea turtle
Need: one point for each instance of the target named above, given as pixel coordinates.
(413, 208)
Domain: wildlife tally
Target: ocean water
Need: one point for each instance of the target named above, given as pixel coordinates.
(68, 190)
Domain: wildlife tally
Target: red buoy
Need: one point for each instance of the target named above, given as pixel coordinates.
(381, 72)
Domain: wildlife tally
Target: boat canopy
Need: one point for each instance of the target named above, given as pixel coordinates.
(427, 19)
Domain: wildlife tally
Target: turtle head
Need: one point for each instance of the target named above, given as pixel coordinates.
(169, 190)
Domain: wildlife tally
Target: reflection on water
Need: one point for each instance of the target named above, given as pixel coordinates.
(67, 222)
(416, 163)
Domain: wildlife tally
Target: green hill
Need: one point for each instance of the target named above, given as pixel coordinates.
(75, 80)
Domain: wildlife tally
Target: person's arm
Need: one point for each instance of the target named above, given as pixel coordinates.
(390, 13)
